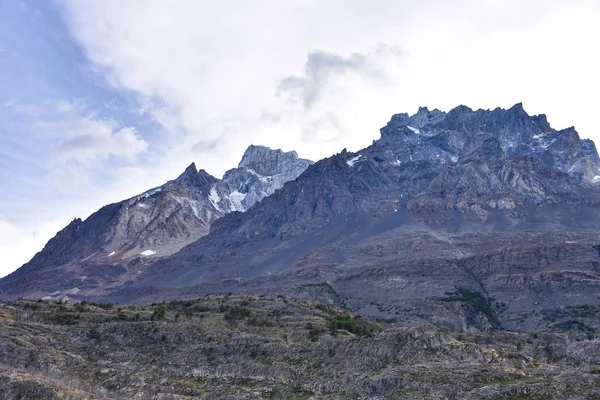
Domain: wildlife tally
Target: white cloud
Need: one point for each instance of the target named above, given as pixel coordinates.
(322, 67)
(89, 140)
(17, 244)
(78, 144)
(29, 110)
(210, 73)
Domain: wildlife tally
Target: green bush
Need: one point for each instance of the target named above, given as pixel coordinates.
(476, 301)
(352, 324)
(314, 333)
(104, 306)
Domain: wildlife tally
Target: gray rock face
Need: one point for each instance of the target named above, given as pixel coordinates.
(477, 163)
(260, 173)
(462, 130)
(157, 223)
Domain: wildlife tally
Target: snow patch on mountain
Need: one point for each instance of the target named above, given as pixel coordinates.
(144, 195)
(415, 130)
(215, 198)
(236, 199)
(353, 160)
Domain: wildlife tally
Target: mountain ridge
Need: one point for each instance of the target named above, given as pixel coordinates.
(490, 202)
(159, 221)
(370, 224)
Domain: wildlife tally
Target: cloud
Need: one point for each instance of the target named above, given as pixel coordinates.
(57, 162)
(17, 244)
(92, 140)
(77, 136)
(28, 110)
(322, 67)
(208, 73)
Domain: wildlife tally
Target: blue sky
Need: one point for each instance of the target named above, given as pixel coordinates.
(101, 100)
(59, 130)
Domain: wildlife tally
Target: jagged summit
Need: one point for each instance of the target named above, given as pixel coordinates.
(420, 119)
(266, 161)
(253, 155)
(261, 171)
(462, 130)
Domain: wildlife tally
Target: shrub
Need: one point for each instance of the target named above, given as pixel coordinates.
(352, 324)
(63, 318)
(476, 301)
(314, 333)
(236, 313)
(159, 313)
(104, 306)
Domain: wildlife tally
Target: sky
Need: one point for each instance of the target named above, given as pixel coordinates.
(102, 100)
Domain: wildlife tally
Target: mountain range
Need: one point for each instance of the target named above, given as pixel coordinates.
(116, 241)
(470, 219)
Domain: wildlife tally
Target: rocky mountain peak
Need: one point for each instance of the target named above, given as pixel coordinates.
(518, 109)
(422, 118)
(261, 171)
(190, 172)
(196, 180)
(462, 130)
(266, 161)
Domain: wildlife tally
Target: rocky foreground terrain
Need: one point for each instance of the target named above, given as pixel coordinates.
(242, 347)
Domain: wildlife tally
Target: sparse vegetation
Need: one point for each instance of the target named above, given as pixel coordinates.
(218, 346)
(350, 323)
(477, 302)
(236, 313)
(159, 313)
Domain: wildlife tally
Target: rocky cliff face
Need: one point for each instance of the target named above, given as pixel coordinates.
(488, 166)
(259, 174)
(153, 224)
(462, 130)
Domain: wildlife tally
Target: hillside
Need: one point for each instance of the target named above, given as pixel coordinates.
(271, 348)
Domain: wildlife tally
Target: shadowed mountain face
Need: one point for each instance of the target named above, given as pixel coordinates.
(484, 219)
(111, 245)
